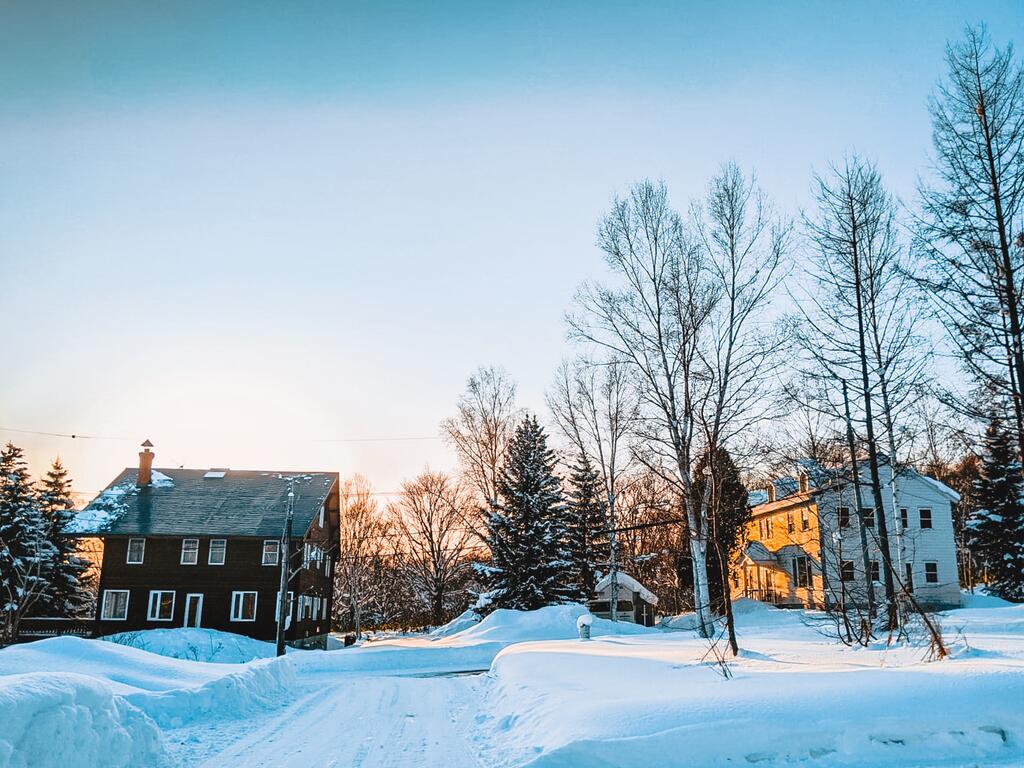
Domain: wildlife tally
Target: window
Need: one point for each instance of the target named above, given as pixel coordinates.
(323, 614)
(931, 573)
(136, 551)
(876, 573)
(243, 606)
(270, 552)
(189, 551)
(115, 605)
(161, 605)
(218, 551)
(904, 518)
(846, 572)
(909, 583)
(288, 611)
(316, 607)
(805, 520)
(801, 571)
(868, 515)
(790, 525)
(321, 521)
(926, 518)
(844, 517)
(327, 565)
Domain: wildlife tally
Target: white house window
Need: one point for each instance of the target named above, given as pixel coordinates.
(270, 552)
(136, 551)
(846, 572)
(931, 573)
(243, 606)
(189, 551)
(324, 614)
(926, 518)
(161, 605)
(115, 605)
(844, 517)
(904, 518)
(876, 573)
(288, 611)
(218, 550)
(868, 515)
(321, 522)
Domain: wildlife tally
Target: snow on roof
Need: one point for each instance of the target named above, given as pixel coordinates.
(628, 582)
(942, 488)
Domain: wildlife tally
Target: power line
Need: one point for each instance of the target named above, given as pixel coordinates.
(76, 436)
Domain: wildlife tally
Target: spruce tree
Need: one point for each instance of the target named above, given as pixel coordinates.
(26, 554)
(530, 565)
(586, 526)
(69, 591)
(997, 528)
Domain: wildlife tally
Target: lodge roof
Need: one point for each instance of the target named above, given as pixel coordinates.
(200, 502)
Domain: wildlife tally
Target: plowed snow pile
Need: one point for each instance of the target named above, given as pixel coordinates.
(88, 690)
(794, 697)
(196, 644)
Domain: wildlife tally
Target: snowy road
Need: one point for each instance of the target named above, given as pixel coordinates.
(363, 722)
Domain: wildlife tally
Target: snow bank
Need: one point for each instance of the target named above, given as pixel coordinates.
(554, 622)
(60, 720)
(254, 687)
(171, 691)
(794, 697)
(197, 644)
(981, 600)
(464, 620)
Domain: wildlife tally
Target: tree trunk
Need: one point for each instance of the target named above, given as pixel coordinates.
(854, 468)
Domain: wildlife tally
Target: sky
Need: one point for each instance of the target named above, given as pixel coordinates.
(252, 232)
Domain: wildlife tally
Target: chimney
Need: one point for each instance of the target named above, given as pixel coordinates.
(145, 465)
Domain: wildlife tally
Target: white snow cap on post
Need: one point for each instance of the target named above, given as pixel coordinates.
(583, 625)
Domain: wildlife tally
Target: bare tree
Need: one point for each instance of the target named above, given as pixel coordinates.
(361, 530)
(430, 514)
(481, 429)
(596, 407)
(972, 227)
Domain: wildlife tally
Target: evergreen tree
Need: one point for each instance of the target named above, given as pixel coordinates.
(69, 592)
(530, 563)
(586, 523)
(997, 529)
(26, 554)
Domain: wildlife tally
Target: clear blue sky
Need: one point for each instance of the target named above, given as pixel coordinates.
(241, 228)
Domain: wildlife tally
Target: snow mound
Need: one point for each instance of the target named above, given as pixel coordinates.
(981, 600)
(254, 687)
(746, 612)
(196, 644)
(464, 620)
(553, 622)
(59, 720)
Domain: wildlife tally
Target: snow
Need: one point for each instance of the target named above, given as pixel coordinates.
(633, 696)
(629, 583)
(58, 720)
(101, 511)
(944, 489)
(198, 644)
(158, 479)
(464, 620)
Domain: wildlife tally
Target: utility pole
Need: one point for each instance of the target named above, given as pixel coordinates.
(282, 556)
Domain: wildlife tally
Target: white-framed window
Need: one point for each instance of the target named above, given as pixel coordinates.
(136, 551)
(243, 606)
(289, 609)
(323, 604)
(316, 607)
(931, 573)
(321, 521)
(305, 555)
(327, 565)
(926, 518)
(189, 551)
(218, 551)
(161, 605)
(270, 552)
(115, 605)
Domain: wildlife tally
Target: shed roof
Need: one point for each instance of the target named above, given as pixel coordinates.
(198, 502)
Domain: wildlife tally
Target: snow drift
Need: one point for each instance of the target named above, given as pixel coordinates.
(197, 644)
(56, 720)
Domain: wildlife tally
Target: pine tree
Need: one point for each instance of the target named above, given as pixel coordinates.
(69, 592)
(530, 564)
(997, 528)
(586, 523)
(26, 554)
(729, 513)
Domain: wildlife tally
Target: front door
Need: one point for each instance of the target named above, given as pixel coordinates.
(193, 610)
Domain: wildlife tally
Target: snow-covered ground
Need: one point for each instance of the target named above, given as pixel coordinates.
(630, 697)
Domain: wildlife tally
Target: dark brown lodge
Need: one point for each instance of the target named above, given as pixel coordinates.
(202, 548)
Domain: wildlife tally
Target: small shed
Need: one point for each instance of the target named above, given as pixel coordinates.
(636, 603)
